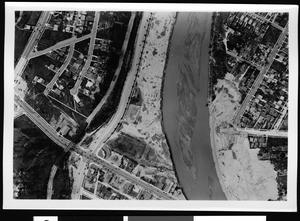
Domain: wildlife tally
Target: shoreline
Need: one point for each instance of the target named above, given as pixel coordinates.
(161, 107)
(210, 93)
(214, 153)
(210, 87)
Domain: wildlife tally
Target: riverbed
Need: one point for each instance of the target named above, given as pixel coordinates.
(185, 114)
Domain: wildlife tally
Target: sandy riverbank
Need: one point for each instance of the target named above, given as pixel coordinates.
(241, 174)
(214, 153)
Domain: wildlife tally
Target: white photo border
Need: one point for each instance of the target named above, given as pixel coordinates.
(190, 205)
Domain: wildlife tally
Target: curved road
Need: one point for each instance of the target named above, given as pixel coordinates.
(112, 85)
(142, 33)
(74, 90)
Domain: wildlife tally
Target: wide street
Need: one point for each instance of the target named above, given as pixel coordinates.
(280, 120)
(117, 72)
(258, 132)
(36, 34)
(125, 174)
(271, 133)
(41, 123)
(58, 45)
(74, 90)
(78, 178)
(242, 59)
(102, 136)
(266, 20)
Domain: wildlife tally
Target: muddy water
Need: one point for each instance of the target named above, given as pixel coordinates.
(185, 115)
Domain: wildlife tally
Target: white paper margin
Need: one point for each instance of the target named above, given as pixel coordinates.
(199, 205)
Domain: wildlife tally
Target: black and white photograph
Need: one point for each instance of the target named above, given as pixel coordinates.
(113, 103)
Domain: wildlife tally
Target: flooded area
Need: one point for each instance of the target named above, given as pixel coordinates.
(185, 114)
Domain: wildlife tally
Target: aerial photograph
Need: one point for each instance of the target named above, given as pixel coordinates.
(151, 105)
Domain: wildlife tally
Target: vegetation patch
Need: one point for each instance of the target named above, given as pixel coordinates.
(34, 156)
(129, 146)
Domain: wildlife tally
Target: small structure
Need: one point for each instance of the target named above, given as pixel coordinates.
(27, 27)
(64, 130)
(55, 28)
(77, 99)
(89, 83)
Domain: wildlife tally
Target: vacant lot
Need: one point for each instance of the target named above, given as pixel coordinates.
(129, 146)
(271, 36)
(83, 46)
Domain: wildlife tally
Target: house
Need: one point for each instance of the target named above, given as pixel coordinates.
(41, 80)
(60, 87)
(55, 28)
(89, 84)
(76, 65)
(76, 98)
(107, 177)
(57, 91)
(27, 27)
(64, 130)
(127, 188)
(146, 195)
(51, 67)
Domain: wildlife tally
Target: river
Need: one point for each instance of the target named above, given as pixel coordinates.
(185, 115)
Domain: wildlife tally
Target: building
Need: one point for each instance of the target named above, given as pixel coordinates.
(27, 27)
(89, 83)
(64, 130)
(76, 98)
(107, 177)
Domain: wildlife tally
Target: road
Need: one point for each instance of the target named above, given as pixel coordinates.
(36, 34)
(90, 195)
(74, 90)
(42, 124)
(259, 78)
(58, 45)
(272, 133)
(18, 115)
(102, 136)
(50, 182)
(20, 67)
(283, 114)
(81, 171)
(242, 59)
(125, 174)
(61, 70)
(266, 20)
(117, 72)
(18, 111)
